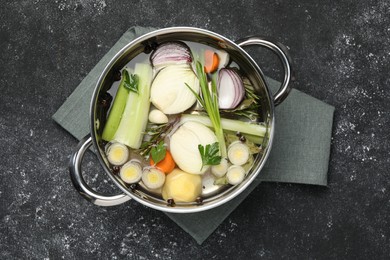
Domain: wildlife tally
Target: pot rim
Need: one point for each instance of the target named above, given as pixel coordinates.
(249, 179)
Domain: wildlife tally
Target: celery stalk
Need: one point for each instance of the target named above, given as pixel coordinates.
(135, 115)
(228, 124)
(114, 117)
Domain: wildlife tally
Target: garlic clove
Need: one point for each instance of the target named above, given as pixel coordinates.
(157, 117)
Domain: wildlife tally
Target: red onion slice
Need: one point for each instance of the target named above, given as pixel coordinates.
(231, 89)
(171, 53)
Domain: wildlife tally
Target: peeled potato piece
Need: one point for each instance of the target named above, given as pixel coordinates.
(182, 186)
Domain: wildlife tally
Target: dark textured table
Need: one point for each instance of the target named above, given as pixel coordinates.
(342, 56)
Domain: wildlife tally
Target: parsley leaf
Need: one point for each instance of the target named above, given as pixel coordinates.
(158, 152)
(130, 81)
(210, 154)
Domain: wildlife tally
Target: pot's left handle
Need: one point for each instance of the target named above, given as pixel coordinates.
(82, 187)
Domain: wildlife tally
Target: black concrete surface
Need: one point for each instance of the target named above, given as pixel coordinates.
(341, 52)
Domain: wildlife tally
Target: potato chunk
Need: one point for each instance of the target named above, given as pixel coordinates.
(182, 186)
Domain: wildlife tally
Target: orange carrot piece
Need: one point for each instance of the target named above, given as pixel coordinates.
(211, 61)
(166, 165)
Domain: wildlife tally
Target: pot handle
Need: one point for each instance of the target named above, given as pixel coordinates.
(281, 51)
(82, 187)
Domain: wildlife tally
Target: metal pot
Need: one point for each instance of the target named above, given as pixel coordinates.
(212, 197)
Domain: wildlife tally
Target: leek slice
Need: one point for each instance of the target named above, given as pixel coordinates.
(238, 153)
(235, 174)
(131, 172)
(117, 153)
(153, 178)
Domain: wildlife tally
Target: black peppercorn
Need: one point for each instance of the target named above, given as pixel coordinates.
(171, 202)
(115, 169)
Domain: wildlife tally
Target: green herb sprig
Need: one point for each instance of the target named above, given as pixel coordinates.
(130, 81)
(210, 154)
(158, 152)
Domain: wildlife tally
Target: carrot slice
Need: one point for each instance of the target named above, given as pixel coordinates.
(211, 61)
(166, 165)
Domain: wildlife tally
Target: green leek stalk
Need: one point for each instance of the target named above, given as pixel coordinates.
(209, 101)
(116, 112)
(228, 125)
(135, 115)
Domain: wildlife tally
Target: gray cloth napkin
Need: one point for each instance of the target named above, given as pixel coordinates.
(300, 152)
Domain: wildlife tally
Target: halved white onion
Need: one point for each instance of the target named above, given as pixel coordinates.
(184, 146)
(235, 174)
(169, 92)
(131, 172)
(153, 178)
(238, 153)
(117, 153)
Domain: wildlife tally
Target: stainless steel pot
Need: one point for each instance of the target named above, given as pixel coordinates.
(212, 195)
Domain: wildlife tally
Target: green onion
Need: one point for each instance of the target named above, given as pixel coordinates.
(209, 101)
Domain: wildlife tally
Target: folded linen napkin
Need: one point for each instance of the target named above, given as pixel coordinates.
(300, 152)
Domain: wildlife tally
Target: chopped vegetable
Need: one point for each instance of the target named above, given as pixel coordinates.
(220, 169)
(131, 172)
(184, 144)
(235, 174)
(167, 164)
(135, 116)
(211, 61)
(224, 58)
(153, 178)
(169, 92)
(158, 152)
(182, 186)
(228, 124)
(209, 101)
(238, 153)
(209, 154)
(171, 53)
(116, 111)
(117, 153)
(230, 89)
(157, 117)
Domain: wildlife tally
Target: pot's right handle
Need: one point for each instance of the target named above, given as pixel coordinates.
(281, 51)
(82, 187)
